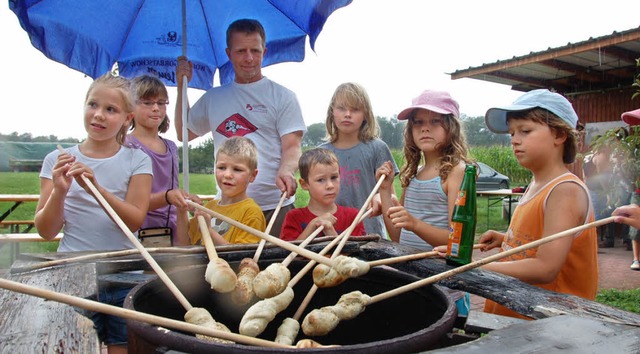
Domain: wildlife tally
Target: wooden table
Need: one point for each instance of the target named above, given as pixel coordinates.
(16, 199)
(30, 324)
(565, 323)
(16, 226)
(497, 195)
(34, 325)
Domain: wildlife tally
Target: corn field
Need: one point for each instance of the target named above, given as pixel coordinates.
(499, 157)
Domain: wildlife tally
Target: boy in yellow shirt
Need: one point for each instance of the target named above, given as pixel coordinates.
(236, 166)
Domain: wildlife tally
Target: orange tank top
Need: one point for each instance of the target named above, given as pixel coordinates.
(579, 274)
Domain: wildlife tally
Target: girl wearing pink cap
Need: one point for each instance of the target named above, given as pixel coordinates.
(434, 139)
(435, 154)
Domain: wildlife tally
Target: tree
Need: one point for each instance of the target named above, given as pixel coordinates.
(314, 135)
(391, 131)
(478, 134)
(28, 138)
(201, 157)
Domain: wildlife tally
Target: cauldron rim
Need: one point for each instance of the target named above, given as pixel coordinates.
(423, 337)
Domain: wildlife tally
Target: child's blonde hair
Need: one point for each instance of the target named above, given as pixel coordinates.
(452, 151)
(352, 95)
(123, 86)
(146, 86)
(241, 148)
(314, 157)
(556, 124)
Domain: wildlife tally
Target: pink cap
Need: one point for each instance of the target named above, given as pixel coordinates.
(435, 101)
(632, 117)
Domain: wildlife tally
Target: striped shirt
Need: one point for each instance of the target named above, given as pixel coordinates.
(426, 201)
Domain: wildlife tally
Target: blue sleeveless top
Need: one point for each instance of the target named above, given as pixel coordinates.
(426, 201)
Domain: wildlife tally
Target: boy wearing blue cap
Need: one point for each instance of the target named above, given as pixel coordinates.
(542, 125)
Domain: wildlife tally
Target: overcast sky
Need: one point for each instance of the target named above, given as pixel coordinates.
(395, 49)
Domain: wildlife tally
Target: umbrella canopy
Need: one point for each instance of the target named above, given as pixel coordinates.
(146, 36)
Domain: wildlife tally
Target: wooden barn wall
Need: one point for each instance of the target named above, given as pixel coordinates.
(604, 107)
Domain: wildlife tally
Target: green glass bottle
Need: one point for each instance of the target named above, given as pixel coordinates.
(462, 230)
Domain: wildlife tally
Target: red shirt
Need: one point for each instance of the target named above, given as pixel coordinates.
(297, 220)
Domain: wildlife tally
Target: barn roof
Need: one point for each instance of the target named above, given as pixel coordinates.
(596, 64)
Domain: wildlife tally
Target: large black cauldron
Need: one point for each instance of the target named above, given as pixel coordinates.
(411, 322)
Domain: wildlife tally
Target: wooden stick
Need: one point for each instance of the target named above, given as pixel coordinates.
(278, 242)
(134, 315)
(411, 257)
(358, 217)
(206, 238)
(305, 302)
(495, 257)
(324, 251)
(303, 244)
(312, 263)
(152, 262)
(314, 288)
(103, 255)
(269, 226)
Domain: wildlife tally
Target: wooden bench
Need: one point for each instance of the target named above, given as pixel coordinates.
(15, 225)
(22, 237)
(14, 241)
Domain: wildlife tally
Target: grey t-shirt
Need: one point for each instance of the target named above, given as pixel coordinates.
(358, 167)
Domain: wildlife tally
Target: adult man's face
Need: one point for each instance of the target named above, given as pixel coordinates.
(245, 53)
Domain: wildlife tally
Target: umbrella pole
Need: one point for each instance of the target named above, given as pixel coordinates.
(185, 107)
(185, 137)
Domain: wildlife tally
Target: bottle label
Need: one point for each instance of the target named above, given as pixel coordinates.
(461, 200)
(455, 237)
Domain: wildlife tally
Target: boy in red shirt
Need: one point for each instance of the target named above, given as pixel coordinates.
(320, 176)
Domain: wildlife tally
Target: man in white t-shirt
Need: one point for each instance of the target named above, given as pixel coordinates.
(253, 106)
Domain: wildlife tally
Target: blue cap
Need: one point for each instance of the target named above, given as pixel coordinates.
(496, 118)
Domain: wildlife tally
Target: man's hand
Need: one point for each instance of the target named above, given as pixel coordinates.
(184, 68)
(291, 151)
(286, 181)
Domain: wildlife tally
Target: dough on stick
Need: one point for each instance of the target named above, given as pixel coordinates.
(221, 277)
(202, 317)
(258, 316)
(309, 343)
(288, 331)
(243, 291)
(271, 281)
(320, 322)
(345, 267)
(350, 267)
(326, 277)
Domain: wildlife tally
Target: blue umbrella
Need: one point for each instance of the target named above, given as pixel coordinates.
(146, 37)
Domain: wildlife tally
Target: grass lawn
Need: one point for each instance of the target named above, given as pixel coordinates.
(28, 183)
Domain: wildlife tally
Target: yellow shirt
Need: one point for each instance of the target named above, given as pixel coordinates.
(246, 212)
(579, 274)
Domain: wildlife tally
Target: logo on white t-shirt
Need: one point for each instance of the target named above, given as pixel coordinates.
(256, 107)
(236, 125)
